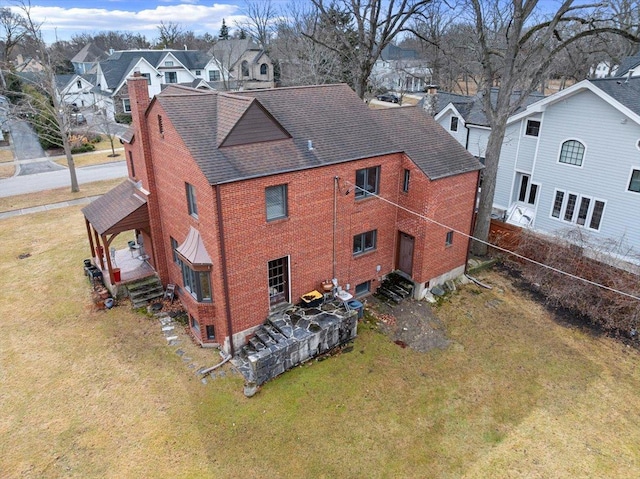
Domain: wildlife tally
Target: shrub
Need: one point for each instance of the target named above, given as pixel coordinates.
(83, 148)
(123, 118)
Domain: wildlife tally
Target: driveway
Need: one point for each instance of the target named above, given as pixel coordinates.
(27, 147)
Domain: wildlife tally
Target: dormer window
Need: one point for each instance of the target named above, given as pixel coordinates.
(454, 124)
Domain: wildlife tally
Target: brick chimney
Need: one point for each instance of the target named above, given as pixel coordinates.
(143, 161)
(430, 104)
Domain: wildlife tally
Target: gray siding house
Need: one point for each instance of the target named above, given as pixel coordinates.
(570, 166)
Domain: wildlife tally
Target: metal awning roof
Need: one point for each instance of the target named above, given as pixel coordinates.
(192, 249)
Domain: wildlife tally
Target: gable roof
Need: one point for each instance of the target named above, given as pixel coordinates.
(622, 94)
(472, 108)
(119, 65)
(120, 209)
(392, 52)
(427, 144)
(338, 124)
(229, 51)
(628, 63)
(90, 53)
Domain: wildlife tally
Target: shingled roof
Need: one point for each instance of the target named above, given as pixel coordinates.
(625, 91)
(331, 118)
(427, 144)
(120, 209)
(119, 64)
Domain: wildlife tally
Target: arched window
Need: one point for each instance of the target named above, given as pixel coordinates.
(572, 153)
(264, 69)
(245, 68)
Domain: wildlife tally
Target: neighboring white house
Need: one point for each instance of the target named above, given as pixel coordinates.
(464, 118)
(400, 69)
(76, 89)
(160, 67)
(572, 162)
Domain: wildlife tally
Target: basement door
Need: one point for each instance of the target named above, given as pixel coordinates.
(278, 281)
(405, 253)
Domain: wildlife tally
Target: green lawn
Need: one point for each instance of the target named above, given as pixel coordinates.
(87, 393)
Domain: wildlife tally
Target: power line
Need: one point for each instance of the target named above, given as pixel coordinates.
(517, 255)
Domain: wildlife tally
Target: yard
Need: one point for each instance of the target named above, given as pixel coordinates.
(87, 393)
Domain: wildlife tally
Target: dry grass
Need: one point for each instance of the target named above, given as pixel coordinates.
(7, 171)
(99, 394)
(57, 195)
(93, 158)
(6, 155)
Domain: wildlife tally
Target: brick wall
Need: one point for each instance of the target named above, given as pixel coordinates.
(306, 237)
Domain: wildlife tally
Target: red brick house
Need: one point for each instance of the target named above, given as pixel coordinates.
(254, 198)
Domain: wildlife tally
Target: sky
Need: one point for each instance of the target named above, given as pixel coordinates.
(62, 18)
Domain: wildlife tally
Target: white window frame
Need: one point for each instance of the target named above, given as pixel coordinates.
(526, 127)
(520, 175)
(584, 154)
(628, 184)
(457, 122)
(126, 101)
(576, 211)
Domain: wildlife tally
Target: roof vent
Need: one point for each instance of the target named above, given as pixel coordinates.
(310, 145)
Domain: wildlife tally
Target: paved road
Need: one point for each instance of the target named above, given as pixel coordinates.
(59, 179)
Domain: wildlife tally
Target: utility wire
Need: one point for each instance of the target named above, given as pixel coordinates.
(517, 255)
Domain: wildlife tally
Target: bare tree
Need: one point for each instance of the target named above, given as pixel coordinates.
(57, 118)
(260, 24)
(516, 45)
(168, 34)
(303, 61)
(12, 31)
(359, 30)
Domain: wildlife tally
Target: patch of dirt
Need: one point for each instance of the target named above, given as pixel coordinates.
(410, 324)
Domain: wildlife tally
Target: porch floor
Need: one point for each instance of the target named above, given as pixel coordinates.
(131, 267)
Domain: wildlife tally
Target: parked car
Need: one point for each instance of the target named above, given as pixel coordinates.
(78, 119)
(390, 97)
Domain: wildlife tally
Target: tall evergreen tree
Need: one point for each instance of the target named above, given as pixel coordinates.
(224, 31)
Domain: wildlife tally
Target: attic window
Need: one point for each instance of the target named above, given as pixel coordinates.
(79, 84)
(454, 123)
(198, 73)
(160, 125)
(168, 63)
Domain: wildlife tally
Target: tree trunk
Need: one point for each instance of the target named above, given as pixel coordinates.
(70, 164)
(489, 176)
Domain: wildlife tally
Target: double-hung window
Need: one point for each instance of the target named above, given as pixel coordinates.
(533, 128)
(214, 75)
(367, 182)
(578, 209)
(364, 242)
(634, 182)
(276, 199)
(192, 204)
(453, 126)
(197, 283)
(170, 77)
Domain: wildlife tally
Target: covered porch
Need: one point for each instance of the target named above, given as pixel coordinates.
(122, 209)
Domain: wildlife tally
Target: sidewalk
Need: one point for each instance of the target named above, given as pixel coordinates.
(52, 206)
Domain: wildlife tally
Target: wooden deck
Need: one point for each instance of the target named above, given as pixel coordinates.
(132, 267)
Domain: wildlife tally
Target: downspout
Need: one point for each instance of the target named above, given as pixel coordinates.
(335, 222)
(225, 276)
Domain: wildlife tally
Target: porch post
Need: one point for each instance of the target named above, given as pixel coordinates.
(107, 254)
(97, 253)
(90, 237)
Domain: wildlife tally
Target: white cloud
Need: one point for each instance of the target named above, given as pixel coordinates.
(199, 18)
